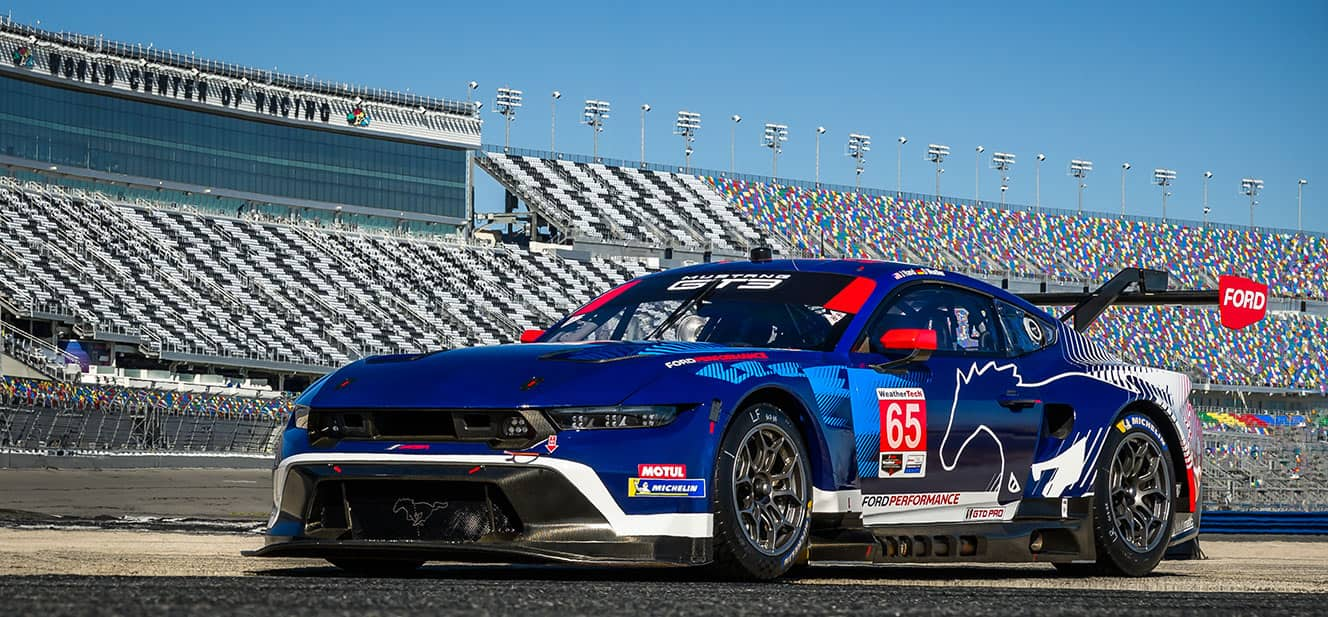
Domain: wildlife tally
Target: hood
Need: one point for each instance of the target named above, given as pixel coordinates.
(507, 376)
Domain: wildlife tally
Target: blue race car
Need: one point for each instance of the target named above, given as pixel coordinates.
(752, 416)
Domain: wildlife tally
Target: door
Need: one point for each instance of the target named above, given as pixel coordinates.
(950, 438)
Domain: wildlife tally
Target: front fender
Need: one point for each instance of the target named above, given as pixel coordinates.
(815, 384)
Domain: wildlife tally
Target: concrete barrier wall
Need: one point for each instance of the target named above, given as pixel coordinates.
(58, 459)
(1289, 523)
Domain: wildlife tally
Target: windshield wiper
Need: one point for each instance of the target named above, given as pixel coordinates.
(697, 298)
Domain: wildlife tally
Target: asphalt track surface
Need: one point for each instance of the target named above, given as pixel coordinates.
(87, 561)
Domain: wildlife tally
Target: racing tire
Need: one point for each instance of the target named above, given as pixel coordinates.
(1133, 502)
(762, 496)
(377, 567)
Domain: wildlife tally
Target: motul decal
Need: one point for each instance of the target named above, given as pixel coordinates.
(667, 472)
(1241, 301)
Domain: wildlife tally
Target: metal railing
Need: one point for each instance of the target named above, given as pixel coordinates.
(69, 428)
(40, 355)
(136, 51)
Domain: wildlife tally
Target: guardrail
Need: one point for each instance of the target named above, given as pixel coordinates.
(1264, 522)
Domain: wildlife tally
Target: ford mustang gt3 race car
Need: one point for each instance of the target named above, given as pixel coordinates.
(753, 416)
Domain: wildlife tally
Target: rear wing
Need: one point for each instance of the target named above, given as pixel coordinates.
(1241, 301)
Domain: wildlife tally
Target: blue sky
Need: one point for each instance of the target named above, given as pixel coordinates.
(1238, 89)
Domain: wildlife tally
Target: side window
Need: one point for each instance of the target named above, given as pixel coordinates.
(1026, 332)
(965, 322)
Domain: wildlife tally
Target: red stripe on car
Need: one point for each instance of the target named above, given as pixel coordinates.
(851, 298)
(606, 298)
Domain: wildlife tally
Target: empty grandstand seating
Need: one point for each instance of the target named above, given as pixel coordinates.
(1285, 349)
(627, 203)
(801, 220)
(209, 286)
(1264, 461)
(1052, 246)
(216, 287)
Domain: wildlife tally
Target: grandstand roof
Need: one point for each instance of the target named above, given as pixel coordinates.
(96, 63)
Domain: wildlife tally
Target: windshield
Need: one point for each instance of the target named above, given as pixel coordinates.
(790, 310)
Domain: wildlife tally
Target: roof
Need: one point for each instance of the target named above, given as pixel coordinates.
(886, 273)
(883, 271)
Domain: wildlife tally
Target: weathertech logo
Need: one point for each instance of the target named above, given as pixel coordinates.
(662, 471)
(910, 501)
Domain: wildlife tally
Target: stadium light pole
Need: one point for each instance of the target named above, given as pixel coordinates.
(1300, 193)
(774, 137)
(977, 164)
(1124, 167)
(1079, 169)
(594, 115)
(733, 134)
(687, 124)
(506, 104)
(936, 153)
(470, 91)
(1037, 182)
(820, 130)
(1002, 162)
(553, 119)
(1206, 176)
(858, 147)
(899, 166)
(1163, 178)
(1251, 187)
(644, 108)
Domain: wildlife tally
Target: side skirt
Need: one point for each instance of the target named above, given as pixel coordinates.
(1043, 530)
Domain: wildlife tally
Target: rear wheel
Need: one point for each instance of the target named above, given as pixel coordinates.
(762, 494)
(1133, 503)
(377, 567)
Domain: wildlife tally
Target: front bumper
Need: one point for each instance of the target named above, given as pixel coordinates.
(480, 508)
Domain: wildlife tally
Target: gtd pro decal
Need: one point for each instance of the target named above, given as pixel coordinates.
(903, 432)
(742, 281)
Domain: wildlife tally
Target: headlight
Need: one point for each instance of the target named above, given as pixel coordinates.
(301, 415)
(633, 416)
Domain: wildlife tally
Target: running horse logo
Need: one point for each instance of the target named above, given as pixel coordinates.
(417, 512)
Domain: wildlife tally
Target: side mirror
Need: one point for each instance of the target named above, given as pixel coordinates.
(909, 339)
(530, 336)
(919, 344)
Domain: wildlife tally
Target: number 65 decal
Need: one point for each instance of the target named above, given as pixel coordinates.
(903, 425)
(903, 432)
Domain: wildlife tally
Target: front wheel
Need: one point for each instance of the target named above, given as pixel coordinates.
(1133, 503)
(761, 497)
